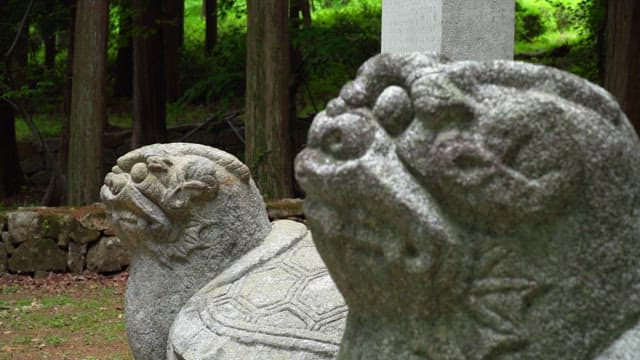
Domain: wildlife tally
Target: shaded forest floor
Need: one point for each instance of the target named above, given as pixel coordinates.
(63, 316)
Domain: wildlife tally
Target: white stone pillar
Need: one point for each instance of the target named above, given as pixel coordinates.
(459, 29)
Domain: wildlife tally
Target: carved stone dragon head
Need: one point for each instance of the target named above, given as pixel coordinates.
(188, 211)
(476, 210)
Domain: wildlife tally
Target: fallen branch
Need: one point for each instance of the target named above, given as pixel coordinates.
(227, 118)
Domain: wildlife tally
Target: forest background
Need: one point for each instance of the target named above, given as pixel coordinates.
(205, 71)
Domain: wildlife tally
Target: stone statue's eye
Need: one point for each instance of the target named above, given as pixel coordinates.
(139, 172)
(332, 141)
(347, 136)
(394, 110)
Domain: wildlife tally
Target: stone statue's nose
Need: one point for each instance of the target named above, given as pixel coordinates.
(115, 182)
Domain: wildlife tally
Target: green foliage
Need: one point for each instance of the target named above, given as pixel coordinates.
(561, 33)
(343, 34)
(528, 22)
(546, 18)
(218, 77)
(339, 40)
(590, 49)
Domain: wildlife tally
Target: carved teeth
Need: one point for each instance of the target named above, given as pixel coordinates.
(127, 217)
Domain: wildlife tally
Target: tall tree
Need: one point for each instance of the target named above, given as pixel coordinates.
(49, 17)
(88, 110)
(211, 24)
(622, 56)
(16, 58)
(149, 114)
(11, 176)
(173, 32)
(10, 173)
(297, 8)
(267, 123)
(123, 71)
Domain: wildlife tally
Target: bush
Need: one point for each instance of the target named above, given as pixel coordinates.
(220, 76)
(339, 40)
(528, 23)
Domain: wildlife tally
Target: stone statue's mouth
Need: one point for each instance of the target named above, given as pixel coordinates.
(128, 217)
(129, 206)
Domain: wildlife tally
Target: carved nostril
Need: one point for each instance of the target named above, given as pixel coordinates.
(139, 172)
(115, 183)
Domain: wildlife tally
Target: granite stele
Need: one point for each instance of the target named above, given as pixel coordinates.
(472, 210)
(191, 211)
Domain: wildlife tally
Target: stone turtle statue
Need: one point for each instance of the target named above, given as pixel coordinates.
(473, 211)
(190, 211)
(276, 302)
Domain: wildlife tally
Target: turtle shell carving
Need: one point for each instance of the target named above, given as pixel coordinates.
(278, 300)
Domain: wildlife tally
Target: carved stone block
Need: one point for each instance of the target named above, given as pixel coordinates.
(459, 29)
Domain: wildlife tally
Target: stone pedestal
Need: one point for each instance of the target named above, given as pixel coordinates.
(459, 29)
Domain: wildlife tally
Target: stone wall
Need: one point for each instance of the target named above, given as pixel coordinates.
(60, 240)
(220, 135)
(44, 239)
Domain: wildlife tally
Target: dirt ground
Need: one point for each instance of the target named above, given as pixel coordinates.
(62, 316)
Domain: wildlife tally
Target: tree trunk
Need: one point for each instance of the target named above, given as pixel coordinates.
(622, 59)
(305, 10)
(47, 27)
(174, 13)
(10, 172)
(149, 115)
(20, 59)
(296, 73)
(122, 86)
(88, 110)
(267, 130)
(63, 155)
(211, 24)
(69, 65)
(180, 23)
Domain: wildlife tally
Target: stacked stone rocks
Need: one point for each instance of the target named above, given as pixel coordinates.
(60, 240)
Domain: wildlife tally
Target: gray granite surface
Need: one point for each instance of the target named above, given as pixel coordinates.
(276, 302)
(471, 210)
(189, 211)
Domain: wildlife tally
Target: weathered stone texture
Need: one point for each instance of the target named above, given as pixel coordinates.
(83, 235)
(284, 208)
(71, 230)
(108, 255)
(23, 225)
(474, 210)
(276, 302)
(187, 211)
(3, 222)
(76, 257)
(459, 29)
(38, 254)
(3, 258)
(7, 242)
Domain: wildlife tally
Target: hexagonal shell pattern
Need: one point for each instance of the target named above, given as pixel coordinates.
(279, 300)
